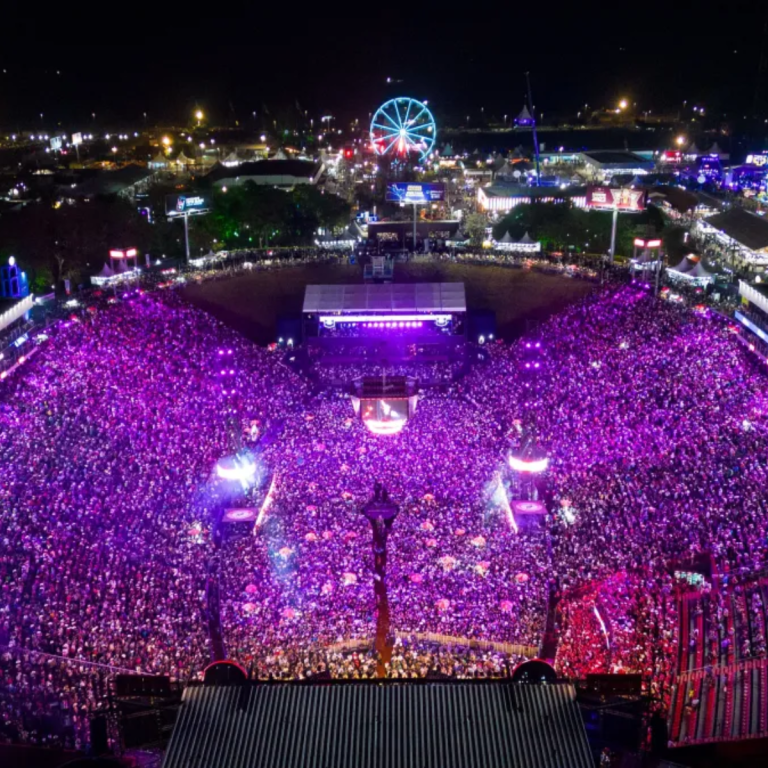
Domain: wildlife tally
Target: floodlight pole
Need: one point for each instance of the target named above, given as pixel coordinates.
(613, 231)
(186, 233)
(414, 228)
(659, 262)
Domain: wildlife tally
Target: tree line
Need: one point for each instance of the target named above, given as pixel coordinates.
(54, 240)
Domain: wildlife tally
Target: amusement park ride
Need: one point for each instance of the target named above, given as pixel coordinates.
(401, 127)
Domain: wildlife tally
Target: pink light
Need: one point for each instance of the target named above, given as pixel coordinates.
(241, 471)
(384, 427)
(116, 255)
(131, 253)
(528, 466)
(602, 626)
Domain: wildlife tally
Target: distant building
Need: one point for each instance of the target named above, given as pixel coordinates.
(502, 198)
(273, 173)
(126, 182)
(602, 165)
(736, 237)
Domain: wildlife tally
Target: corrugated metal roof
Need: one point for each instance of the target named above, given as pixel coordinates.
(463, 724)
(391, 297)
(744, 227)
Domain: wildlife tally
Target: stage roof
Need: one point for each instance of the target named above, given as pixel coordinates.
(397, 297)
(340, 724)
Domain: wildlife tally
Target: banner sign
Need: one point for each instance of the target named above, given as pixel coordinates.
(416, 194)
(624, 200)
(178, 205)
(757, 160)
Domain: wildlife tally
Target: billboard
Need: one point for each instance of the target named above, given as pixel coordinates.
(77, 138)
(179, 205)
(415, 193)
(622, 199)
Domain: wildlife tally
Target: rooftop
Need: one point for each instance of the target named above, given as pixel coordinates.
(520, 190)
(111, 182)
(747, 229)
(619, 159)
(297, 168)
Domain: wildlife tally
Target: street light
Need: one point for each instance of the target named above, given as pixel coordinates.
(166, 141)
(680, 140)
(623, 104)
(199, 116)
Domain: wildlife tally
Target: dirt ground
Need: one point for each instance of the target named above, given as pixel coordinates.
(251, 303)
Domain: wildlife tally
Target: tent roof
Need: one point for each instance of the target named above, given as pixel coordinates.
(524, 114)
(685, 266)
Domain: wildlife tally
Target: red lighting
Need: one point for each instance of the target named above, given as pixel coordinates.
(654, 243)
(116, 254)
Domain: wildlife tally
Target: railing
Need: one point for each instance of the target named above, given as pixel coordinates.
(753, 295)
(511, 649)
(17, 311)
(15, 650)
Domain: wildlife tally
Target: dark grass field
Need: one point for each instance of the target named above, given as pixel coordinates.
(251, 303)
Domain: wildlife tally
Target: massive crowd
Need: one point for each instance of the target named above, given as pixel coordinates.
(653, 417)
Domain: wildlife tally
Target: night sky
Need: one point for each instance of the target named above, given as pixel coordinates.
(123, 59)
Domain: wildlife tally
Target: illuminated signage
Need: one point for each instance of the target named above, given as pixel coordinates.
(416, 194)
(181, 205)
(623, 199)
(77, 138)
(130, 253)
(757, 160)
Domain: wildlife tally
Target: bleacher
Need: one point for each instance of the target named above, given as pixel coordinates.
(721, 690)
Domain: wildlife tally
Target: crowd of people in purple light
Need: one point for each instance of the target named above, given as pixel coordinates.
(653, 417)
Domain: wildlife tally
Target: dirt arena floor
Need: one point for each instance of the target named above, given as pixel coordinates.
(251, 303)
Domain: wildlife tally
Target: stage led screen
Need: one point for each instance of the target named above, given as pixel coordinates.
(417, 194)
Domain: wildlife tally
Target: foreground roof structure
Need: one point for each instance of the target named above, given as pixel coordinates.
(418, 724)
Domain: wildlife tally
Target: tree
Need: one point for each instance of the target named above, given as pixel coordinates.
(70, 241)
(475, 225)
(251, 215)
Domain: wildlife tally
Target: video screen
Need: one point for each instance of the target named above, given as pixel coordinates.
(384, 415)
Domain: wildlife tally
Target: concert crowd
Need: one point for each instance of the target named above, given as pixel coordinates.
(653, 418)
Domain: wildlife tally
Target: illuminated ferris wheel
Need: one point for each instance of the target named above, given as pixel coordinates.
(401, 126)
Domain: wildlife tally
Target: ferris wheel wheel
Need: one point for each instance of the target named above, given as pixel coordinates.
(401, 126)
